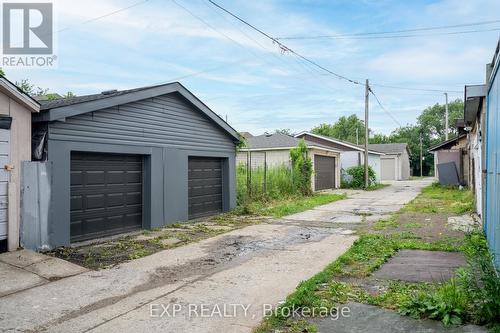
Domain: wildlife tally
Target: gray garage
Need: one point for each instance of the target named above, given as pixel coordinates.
(127, 160)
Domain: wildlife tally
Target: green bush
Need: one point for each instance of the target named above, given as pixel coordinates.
(358, 177)
(276, 182)
(302, 168)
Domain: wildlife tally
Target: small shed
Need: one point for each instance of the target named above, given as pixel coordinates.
(134, 159)
(453, 150)
(16, 108)
(350, 153)
(273, 150)
(395, 163)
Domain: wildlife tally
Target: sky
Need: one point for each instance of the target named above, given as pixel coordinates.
(244, 77)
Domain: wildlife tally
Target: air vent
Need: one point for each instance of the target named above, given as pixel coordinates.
(109, 92)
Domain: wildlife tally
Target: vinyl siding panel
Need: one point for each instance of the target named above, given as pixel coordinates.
(164, 121)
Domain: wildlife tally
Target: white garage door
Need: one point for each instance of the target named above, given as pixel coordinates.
(388, 169)
(4, 180)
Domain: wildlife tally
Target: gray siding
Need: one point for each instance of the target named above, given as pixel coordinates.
(166, 130)
(167, 120)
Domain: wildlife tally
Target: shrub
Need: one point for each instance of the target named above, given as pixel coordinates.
(302, 168)
(356, 177)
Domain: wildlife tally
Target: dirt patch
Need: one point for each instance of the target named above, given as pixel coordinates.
(106, 254)
(429, 227)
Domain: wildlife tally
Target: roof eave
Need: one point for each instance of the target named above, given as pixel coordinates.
(11, 90)
(84, 107)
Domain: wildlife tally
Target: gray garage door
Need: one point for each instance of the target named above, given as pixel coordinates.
(324, 172)
(387, 168)
(204, 186)
(106, 194)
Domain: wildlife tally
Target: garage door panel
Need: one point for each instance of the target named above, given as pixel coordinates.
(387, 169)
(106, 194)
(204, 186)
(324, 172)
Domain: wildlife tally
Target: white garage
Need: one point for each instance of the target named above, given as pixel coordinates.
(395, 164)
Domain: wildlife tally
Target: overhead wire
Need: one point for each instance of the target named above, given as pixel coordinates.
(372, 33)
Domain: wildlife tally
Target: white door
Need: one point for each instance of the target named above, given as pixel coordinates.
(388, 169)
(4, 180)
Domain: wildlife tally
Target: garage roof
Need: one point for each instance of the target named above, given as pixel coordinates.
(278, 141)
(67, 107)
(348, 145)
(14, 92)
(389, 148)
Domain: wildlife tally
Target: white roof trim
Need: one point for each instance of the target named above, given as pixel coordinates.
(337, 142)
(9, 89)
(288, 148)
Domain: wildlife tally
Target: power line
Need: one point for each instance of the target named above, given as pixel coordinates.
(361, 34)
(404, 36)
(135, 4)
(416, 89)
(283, 47)
(383, 108)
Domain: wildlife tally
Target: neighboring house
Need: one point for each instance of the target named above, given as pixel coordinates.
(134, 159)
(395, 163)
(491, 214)
(274, 150)
(453, 150)
(475, 121)
(16, 108)
(350, 154)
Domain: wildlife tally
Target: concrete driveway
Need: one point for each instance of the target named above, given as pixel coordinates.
(217, 285)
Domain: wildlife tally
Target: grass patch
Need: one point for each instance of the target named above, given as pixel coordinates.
(473, 296)
(290, 205)
(442, 199)
(375, 187)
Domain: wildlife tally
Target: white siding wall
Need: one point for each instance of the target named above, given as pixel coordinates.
(20, 150)
(273, 158)
(475, 147)
(350, 158)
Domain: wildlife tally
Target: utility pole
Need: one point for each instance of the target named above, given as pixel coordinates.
(421, 172)
(357, 135)
(367, 91)
(446, 117)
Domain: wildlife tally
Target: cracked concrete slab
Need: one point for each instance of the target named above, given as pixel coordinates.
(421, 266)
(55, 268)
(15, 279)
(257, 264)
(22, 258)
(371, 319)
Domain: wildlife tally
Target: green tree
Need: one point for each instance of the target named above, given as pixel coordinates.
(432, 119)
(285, 131)
(302, 168)
(344, 129)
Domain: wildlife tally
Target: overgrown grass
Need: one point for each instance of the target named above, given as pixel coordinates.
(442, 199)
(273, 183)
(288, 205)
(472, 296)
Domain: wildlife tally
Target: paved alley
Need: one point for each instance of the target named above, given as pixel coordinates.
(235, 274)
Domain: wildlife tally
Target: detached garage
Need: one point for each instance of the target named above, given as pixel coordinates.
(126, 160)
(395, 163)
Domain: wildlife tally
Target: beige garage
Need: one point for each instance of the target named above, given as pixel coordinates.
(15, 146)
